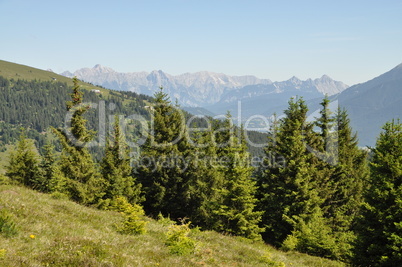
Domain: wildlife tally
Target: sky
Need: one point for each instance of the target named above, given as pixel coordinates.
(351, 41)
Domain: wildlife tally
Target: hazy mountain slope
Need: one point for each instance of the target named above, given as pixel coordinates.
(373, 103)
(370, 105)
(272, 98)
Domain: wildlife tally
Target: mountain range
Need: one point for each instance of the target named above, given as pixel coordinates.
(204, 89)
(369, 104)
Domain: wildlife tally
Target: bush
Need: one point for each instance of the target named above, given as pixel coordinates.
(178, 241)
(4, 180)
(133, 216)
(7, 225)
(313, 236)
(267, 259)
(165, 221)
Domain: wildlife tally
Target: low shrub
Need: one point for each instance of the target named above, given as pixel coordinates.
(7, 226)
(178, 240)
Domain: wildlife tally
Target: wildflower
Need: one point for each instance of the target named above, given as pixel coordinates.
(32, 236)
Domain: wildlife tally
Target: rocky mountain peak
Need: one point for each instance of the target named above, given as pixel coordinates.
(201, 88)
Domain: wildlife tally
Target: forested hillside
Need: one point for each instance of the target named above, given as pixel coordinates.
(37, 105)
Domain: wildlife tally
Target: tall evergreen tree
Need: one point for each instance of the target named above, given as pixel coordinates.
(288, 191)
(162, 165)
(84, 183)
(379, 231)
(348, 178)
(341, 175)
(116, 168)
(236, 210)
(23, 167)
(204, 179)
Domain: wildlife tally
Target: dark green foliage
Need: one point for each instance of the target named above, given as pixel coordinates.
(23, 166)
(311, 202)
(38, 105)
(84, 183)
(288, 189)
(162, 166)
(235, 209)
(116, 168)
(379, 230)
(51, 179)
(205, 177)
(344, 191)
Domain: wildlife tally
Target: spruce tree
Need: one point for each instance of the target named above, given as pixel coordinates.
(51, 179)
(340, 174)
(344, 192)
(204, 179)
(288, 191)
(379, 230)
(23, 167)
(84, 183)
(162, 164)
(116, 168)
(236, 209)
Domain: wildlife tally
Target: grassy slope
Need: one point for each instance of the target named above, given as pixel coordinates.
(68, 234)
(15, 71)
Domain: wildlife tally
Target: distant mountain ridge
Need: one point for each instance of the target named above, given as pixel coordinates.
(201, 88)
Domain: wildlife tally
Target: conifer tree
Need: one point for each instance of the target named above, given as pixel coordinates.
(23, 167)
(340, 170)
(379, 231)
(51, 179)
(344, 194)
(162, 165)
(236, 209)
(84, 183)
(116, 168)
(204, 179)
(288, 192)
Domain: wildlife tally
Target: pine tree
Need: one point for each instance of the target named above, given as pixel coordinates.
(340, 174)
(51, 179)
(83, 181)
(236, 210)
(287, 190)
(23, 167)
(379, 231)
(344, 192)
(204, 180)
(162, 165)
(116, 168)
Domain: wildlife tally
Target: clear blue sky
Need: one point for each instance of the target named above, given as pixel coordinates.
(351, 41)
